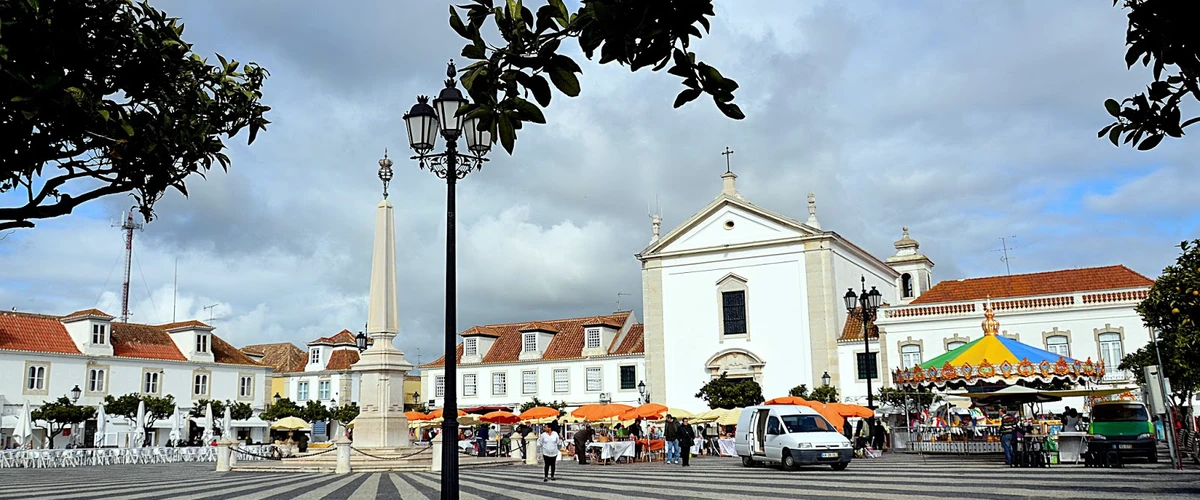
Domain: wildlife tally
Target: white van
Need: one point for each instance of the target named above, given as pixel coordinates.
(790, 435)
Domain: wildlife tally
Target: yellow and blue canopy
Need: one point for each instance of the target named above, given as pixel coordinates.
(993, 359)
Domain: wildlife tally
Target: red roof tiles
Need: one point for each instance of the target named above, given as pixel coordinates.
(132, 340)
(283, 356)
(87, 312)
(632, 343)
(34, 332)
(341, 359)
(225, 353)
(853, 330)
(1025, 285)
(566, 344)
(184, 324)
(482, 330)
(344, 337)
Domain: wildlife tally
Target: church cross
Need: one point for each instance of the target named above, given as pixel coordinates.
(726, 155)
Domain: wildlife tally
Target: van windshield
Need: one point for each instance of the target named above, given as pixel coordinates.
(807, 423)
(1119, 413)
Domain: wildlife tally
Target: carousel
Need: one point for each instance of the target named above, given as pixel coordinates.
(986, 374)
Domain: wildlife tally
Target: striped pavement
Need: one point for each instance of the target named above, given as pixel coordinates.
(894, 476)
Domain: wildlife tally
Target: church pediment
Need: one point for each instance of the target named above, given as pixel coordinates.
(728, 221)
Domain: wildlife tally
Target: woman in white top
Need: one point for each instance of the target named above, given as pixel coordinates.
(548, 445)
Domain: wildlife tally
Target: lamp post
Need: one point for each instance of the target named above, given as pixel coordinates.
(825, 379)
(864, 307)
(276, 398)
(416, 399)
(75, 394)
(642, 392)
(360, 341)
(424, 123)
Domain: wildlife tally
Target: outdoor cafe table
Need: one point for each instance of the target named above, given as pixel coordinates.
(613, 450)
(725, 445)
(649, 446)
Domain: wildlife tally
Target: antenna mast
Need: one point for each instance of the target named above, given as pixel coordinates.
(127, 225)
(619, 294)
(209, 308)
(1004, 248)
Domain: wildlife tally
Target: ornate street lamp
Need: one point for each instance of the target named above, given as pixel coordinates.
(75, 394)
(423, 122)
(361, 338)
(276, 398)
(825, 379)
(864, 307)
(416, 398)
(642, 391)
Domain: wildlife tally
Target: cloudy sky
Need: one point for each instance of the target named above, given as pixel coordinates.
(967, 121)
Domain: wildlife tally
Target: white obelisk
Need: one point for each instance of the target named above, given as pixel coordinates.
(381, 423)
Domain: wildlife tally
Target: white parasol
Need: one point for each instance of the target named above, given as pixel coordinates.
(101, 423)
(139, 433)
(208, 424)
(174, 436)
(226, 424)
(23, 434)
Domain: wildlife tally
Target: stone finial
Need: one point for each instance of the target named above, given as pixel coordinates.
(906, 245)
(729, 185)
(655, 225)
(990, 325)
(812, 211)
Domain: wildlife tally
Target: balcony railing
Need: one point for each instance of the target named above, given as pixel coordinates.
(1016, 304)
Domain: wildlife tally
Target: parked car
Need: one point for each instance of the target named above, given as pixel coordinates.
(1124, 427)
(790, 436)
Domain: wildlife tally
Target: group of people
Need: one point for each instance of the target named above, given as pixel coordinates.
(868, 432)
(679, 435)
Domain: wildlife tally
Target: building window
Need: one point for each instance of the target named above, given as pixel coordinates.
(37, 378)
(530, 343)
(906, 285)
(562, 381)
(1111, 352)
(469, 384)
(202, 343)
(96, 380)
(867, 367)
(1061, 345)
(470, 346)
(98, 334)
(314, 356)
(950, 346)
(439, 386)
(910, 355)
(733, 308)
(593, 378)
(200, 385)
(499, 384)
(323, 389)
(593, 338)
(528, 382)
(246, 387)
(628, 377)
(150, 383)
(302, 391)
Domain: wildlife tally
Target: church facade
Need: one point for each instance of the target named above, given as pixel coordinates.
(741, 290)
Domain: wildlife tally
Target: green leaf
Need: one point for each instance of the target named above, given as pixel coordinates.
(686, 96)
(508, 136)
(1113, 107)
(1105, 130)
(731, 110)
(540, 88)
(104, 114)
(1189, 122)
(1114, 135)
(457, 24)
(1150, 142)
(561, 61)
(127, 128)
(473, 52)
(529, 112)
(565, 81)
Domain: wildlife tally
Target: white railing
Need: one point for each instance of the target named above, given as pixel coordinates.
(81, 457)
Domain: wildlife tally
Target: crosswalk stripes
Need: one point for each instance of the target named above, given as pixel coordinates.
(894, 477)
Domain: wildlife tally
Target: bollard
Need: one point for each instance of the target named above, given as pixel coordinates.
(531, 451)
(437, 453)
(343, 455)
(223, 454)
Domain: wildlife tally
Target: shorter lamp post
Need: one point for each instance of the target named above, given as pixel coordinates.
(642, 392)
(361, 340)
(75, 393)
(416, 398)
(825, 379)
(864, 307)
(276, 398)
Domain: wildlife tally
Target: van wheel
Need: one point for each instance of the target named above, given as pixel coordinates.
(747, 462)
(840, 466)
(789, 462)
(1153, 456)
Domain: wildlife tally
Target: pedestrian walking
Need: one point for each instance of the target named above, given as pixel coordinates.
(1008, 429)
(687, 438)
(548, 446)
(482, 438)
(671, 435)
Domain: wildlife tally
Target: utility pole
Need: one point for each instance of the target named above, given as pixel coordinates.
(127, 225)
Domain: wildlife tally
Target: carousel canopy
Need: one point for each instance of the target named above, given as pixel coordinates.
(997, 360)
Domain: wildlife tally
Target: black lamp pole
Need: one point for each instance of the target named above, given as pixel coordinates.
(423, 122)
(864, 307)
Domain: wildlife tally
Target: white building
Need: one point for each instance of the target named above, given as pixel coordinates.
(51, 355)
(1080, 313)
(576, 360)
(741, 290)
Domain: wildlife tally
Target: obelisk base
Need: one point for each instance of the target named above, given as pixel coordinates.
(381, 430)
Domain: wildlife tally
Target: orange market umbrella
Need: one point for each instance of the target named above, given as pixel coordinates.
(600, 412)
(539, 412)
(849, 410)
(822, 408)
(500, 417)
(648, 410)
(415, 416)
(438, 413)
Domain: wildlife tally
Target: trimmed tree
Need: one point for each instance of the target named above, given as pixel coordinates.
(104, 97)
(722, 392)
(201, 406)
(315, 412)
(60, 413)
(239, 410)
(345, 413)
(282, 409)
(157, 408)
(825, 394)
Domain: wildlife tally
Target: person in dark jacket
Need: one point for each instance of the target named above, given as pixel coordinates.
(581, 438)
(635, 432)
(482, 438)
(687, 438)
(523, 430)
(671, 436)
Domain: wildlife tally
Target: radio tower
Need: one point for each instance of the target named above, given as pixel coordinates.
(127, 225)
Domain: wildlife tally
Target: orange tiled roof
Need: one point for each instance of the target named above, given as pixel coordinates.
(632, 343)
(88, 312)
(34, 332)
(344, 337)
(341, 359)
(853, 330)
(602, 321)
(1025, 285)
(539, 326)
(283, 356)
(184, 324)
(566, 344)
(482, 330)
(223, 352)
(133, 340)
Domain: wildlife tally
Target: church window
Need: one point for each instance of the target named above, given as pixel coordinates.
(530, 342)
(593, 378)
(867, 366)
(906, 285)
(593, 338)
(1059, 344)
(734, 312)
(910, 355)
(628, 377)
(471, 346)
(469, 385)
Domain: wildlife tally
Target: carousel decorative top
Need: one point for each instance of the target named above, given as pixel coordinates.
(995, 359)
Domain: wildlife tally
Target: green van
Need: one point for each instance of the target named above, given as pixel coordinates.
(1125, 427)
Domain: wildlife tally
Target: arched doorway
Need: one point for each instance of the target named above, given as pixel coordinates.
(735, 363)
